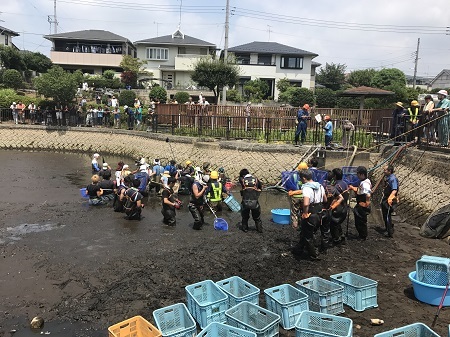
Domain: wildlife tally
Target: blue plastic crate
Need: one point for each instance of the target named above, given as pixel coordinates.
(288, 302)
(324, 296)
(433, 270)
(223, 330)
(349, 175)
(412, 330)
(175, 321)
(251, 317)
(239, 290)
(316, 324)
(206, 302)
(232, 203)
(360, 293)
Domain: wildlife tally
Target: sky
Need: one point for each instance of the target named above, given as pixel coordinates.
(360, 34)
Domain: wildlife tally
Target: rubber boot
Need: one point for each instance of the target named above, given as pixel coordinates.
(197, 225)
(259, 226)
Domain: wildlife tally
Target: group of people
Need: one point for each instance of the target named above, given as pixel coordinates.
(319, 210)
(302, 118)
(431, 121)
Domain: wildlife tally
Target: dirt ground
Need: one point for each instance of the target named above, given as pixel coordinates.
(83, 269)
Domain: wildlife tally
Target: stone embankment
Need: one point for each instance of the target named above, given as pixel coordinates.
(424, 176)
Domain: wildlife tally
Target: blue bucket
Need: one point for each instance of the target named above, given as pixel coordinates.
(220, 224)
(281, 216)
(83, 193)
(429, 293)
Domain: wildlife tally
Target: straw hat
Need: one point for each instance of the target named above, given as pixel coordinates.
(400, 104)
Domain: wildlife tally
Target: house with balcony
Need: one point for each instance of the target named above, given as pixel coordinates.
(272, 61)
(171, 59)
(92, 51)
(6, 36)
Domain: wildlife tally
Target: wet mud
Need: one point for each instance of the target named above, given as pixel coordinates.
(84, 269)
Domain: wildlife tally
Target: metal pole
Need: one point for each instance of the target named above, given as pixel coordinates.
(54, 17)
(225, 50)
(415, 63)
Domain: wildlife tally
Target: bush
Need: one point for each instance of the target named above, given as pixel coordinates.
(182, 97)
(234, 96)
(109, 74)
(158, 93)
(127, 97)
(7, 96)
(12, 78)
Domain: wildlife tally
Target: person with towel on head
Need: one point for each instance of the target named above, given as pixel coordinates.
(105, 170)
(198, 200)
(157, 171)
(296, 196)
(94, 164)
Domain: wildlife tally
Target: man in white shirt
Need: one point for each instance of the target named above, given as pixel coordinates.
(362, 208)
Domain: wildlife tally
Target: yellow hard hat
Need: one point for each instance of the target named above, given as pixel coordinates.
(214, 175)
(188, 162)
(415, 103)
(302, 166)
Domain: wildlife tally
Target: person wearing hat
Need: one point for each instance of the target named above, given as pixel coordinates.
(295, 195)
(144, 178)
(133, 204)
(328, 128)
(251, 189)
(399, 116)
(15, 114)
(441, 109)
(414, 118)
(164, 178)
(94, 164)
(428, 119)
(363, 195)
(301, 121)
(105, 170)
(169, 203)
(217, 191)
(118, 173)
(107, 185)
(197, 201)
(187, 178)
(157, 171)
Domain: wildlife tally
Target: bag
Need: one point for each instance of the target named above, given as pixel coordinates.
(250, 204)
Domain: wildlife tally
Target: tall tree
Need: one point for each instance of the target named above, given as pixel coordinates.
(57, 84)
(360, 78)
(215, 74)
(332, 76)
(132, 67)
(36, 61)
(256, 90)
(387, 77)
(10, 58)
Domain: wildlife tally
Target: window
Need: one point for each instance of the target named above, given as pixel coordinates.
(291, 62)
(242, 58)
(6, 39)
(181, 50)
(265, 59)
(157, 54)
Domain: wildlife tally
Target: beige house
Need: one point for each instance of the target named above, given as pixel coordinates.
(92, 51)
(272, 61)
(6, 36)
(442, 80)
(171, 59)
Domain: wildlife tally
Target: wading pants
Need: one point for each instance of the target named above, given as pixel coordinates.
(361, 214)
(198, 215)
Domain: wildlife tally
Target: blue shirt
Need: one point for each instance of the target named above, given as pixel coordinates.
(302, 116)
(328, 128)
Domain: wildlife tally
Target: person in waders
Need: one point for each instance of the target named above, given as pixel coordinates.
(362, 208)
(169, 203)
(296, 196)
(338, 211)
(389, 199)
(94, 164)
(251, 189)
(133, 204)
(197, 201)
(95, 192)
(216, 192)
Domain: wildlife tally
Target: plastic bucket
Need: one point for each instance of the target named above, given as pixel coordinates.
(83, 193)
(429, 293)
(281, 216)
(220, 224)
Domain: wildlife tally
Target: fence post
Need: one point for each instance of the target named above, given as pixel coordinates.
(268, 128)
(155, 123)
(172, 117)
(228, 127)
(200, 124)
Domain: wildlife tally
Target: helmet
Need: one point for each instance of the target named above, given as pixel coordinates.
(214, 175)
(327, 117)
(415, 103)
(205, 178)
(188, 162)
(302, 166)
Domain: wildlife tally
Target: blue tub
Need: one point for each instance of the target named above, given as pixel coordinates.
(83, 193)
(429, 293)
(281, 216)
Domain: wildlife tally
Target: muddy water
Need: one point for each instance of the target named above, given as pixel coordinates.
(46, 228)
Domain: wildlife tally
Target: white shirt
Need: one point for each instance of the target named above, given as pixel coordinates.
(315, 196)
(114, 102)
(365, 187)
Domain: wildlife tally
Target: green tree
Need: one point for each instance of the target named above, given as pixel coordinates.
(297, 96)
(132, 67)
(182, 97)
(332, 76)
(36, 61)
(127, 97)
(215, 74)
(57, 84)
(12, 79)
(159, 93)
(234, 96)
(387, 77)
(360, 78)
(283, 84)
(325, 98)
(256, 90)
(109, 74)
(10, 58)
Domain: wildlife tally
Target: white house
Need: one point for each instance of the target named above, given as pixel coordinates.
(442, 80)
(6, 36)
(171, 58)
(272, 61)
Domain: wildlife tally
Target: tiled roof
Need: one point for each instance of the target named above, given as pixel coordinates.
(269, 48)
(89, 35)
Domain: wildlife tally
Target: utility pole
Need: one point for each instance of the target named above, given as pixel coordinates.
(415, 63)
(52, 19)
(225, 50)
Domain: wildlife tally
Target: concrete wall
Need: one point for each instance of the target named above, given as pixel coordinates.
(424, 176)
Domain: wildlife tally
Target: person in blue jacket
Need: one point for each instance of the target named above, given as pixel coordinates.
(301, 121)
(328, 128)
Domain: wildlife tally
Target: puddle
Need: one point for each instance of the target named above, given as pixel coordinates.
(15, 233)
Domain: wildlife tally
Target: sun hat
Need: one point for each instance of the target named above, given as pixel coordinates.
(125, 167)
(400, 104)
(166, 174)
(443, 92)
(105, 165)
(415, 103)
